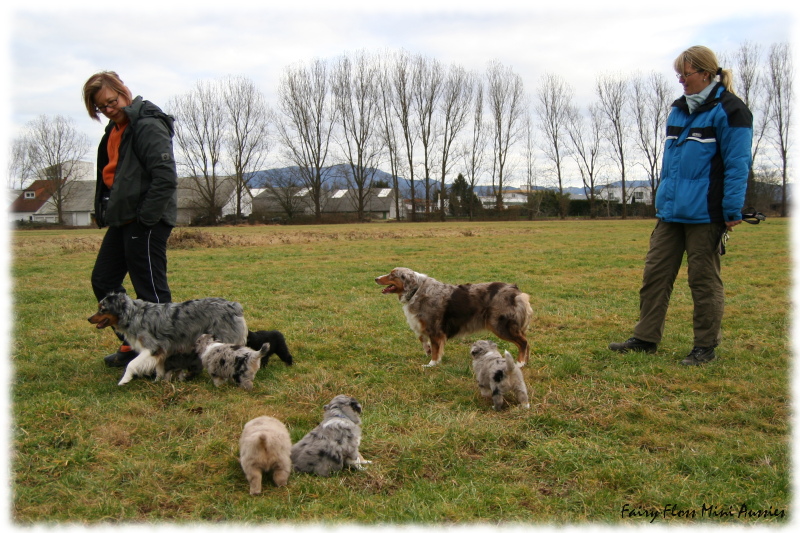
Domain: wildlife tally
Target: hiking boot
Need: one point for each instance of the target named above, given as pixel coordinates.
(633, 345)
(120, 358)
(698, 356)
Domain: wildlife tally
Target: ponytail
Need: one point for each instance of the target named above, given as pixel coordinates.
(726, 78)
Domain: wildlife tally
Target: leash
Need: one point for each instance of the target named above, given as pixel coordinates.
(749, 215)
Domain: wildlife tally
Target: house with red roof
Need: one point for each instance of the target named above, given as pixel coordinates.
(29, 204)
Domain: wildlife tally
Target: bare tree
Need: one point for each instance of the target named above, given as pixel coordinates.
(53, 150)
(651, 103)
(781, 91)
(529, 156)
(553, 103)
(475, 145)
(507, 112)
(355, 90)
(403, 105)
(389, 129)
(20, 171)
(614, 94)
(287, 192)
(306, 126)
(426, 91)
(248, 139)
(586, 137)
(750, 87)
(200, 137)
(455, 106)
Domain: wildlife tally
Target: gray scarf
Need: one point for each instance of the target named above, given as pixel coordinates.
(694, 100)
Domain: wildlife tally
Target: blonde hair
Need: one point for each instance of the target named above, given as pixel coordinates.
(95, 83)
(702, 59)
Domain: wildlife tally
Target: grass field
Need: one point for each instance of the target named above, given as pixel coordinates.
(609, 439)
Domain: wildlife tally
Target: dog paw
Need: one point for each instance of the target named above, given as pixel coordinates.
(431, 364)
(527, 406)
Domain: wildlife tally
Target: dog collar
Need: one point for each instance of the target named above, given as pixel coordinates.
(411, 294)
(335, 415)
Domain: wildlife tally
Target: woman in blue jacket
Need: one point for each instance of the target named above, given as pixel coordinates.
(707, 158)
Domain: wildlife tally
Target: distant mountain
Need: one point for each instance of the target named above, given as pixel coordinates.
(335, 176)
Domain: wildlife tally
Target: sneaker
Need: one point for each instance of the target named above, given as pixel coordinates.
(633, 345)
(120, 358)
(698, 356)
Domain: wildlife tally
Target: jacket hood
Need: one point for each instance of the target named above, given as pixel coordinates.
(141, 108)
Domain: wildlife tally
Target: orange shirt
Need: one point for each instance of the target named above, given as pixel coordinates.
(114, 140)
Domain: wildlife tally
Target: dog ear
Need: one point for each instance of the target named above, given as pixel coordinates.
(355, 406)
(405, 278)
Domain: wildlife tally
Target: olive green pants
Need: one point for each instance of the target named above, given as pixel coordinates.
(668, 243)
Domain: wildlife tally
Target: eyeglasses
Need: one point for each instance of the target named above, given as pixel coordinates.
(102, 108)
(685, 76)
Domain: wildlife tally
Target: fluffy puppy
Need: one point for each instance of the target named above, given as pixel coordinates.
(277, 344)
(229, 362)
(334, 443)
(498, 375)
(265, 446)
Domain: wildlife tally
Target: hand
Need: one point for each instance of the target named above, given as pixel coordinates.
(730, 224)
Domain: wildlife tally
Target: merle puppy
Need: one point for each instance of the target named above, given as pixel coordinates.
(498, 375)
(188, 366)
(334, 443)
(229, 362)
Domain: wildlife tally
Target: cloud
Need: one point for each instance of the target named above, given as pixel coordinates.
(161, 49)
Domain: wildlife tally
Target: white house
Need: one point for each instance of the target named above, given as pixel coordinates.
(378, 203)
(247, 202)
(640, 194)
(510, 198)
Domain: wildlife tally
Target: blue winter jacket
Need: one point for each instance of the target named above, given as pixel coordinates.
(707, 158)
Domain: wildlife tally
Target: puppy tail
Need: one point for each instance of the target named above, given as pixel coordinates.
(510, 363)
(264, 351)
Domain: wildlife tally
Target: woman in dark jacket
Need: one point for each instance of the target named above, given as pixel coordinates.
(707, 157)
(136, 194)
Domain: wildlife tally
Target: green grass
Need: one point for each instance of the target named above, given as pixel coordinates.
(604, 430)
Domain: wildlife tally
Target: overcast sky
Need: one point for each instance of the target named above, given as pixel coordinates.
(162, 48)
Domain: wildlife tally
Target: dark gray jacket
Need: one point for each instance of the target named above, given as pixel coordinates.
(146, 180)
